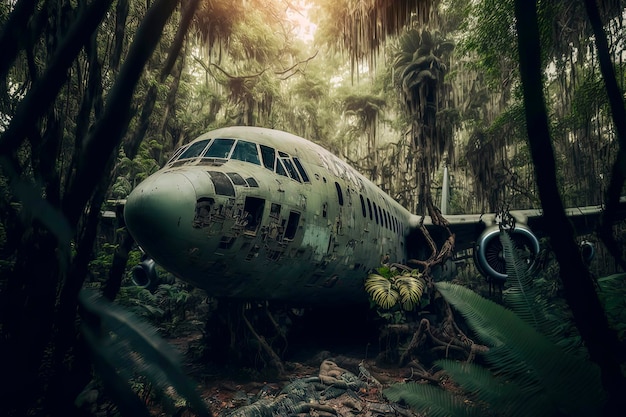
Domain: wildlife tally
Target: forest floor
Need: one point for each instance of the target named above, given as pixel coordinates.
(341, 381)
(337, 373)
(327, 370)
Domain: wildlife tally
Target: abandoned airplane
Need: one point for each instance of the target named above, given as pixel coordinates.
(256, 213)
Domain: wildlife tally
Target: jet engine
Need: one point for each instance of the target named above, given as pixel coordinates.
(587, 250)
(489, 254)
(145, 274)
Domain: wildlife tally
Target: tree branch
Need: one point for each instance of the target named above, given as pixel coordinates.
(114, 122)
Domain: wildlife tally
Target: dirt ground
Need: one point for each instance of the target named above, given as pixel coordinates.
(361, 396)
(317, 383)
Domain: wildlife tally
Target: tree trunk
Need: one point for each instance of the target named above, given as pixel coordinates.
(601, 341)
(614, 93)
(131, 145)
(13, 31)
(27, 321)
(38, 297)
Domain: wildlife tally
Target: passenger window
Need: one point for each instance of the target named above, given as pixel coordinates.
(269, 156)
(339, 193)
(301, 170)
(375, 212)
(369, 207)
(363, 206)
(194, 150)
(220, 148)
(247, 152)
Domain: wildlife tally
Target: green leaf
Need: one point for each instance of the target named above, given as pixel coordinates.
(410, 289)
(518, 352)
(127, 340)
(381, 291)
(432, 401)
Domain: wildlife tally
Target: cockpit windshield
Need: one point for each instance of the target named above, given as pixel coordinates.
(194, 150)
(224, 148)
(247, 152)
(269, 157)
(220, 148)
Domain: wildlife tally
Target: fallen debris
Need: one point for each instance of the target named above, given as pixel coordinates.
(335, 391)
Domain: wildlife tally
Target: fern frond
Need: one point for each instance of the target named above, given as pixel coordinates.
(521, 353)
(504, 396)
(432, 401)
(619, 278)
(127, 340)
(525, 299)
(520, 297)
(117, 386)
(381, 290)
(613, 296)
(410, 289)
(475, 379)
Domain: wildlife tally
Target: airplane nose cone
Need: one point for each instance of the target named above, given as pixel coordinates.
(158, 210)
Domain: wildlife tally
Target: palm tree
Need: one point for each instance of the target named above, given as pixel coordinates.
(421, 63)
(361, 27)
(366, 109)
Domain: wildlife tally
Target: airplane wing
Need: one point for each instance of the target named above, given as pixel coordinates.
(480, 231)
(468, 228)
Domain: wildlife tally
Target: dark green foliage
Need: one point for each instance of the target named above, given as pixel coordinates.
(521, 296)
(613, 296)
(63, 111)
(527, 373)
(140, 301)
(530, 295)
(432, 401)
(99, 267)
(421, 61)
(546, 376)
(124, 347)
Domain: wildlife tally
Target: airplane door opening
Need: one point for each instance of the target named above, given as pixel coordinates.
(253, 211)
(292, 225)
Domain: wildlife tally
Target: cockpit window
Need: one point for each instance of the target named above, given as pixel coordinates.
(220, 148)
(291, 169)
(280, 168)
(269, 156)
(194, 150)
(226, 148)
(247, 152)
(176, 153)
(301, 170)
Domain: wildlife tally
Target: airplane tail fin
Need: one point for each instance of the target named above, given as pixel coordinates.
(445, 191)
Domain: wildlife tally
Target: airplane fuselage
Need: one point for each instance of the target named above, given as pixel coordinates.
(254, 213)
